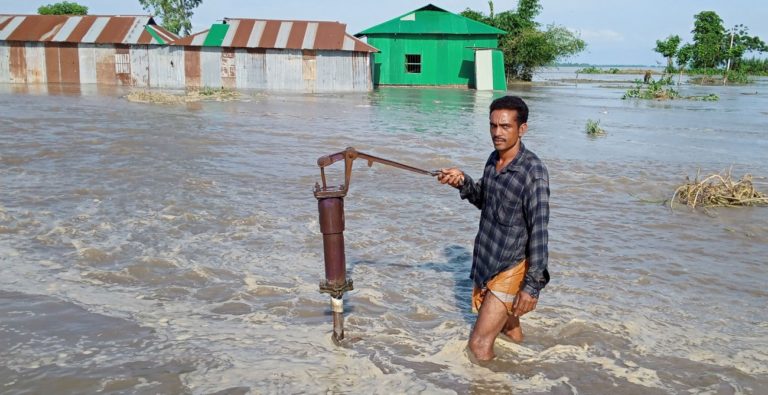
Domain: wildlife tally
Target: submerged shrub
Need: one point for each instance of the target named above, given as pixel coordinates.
(593, 128)
(654, 90)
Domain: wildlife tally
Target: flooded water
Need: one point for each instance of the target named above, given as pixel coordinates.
(176, 249)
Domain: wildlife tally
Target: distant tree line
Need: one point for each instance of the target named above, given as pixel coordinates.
(526, 47)
(713, 47)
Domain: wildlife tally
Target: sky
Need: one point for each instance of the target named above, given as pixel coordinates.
(617, 32)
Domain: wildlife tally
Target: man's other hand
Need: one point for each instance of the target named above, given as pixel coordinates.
(523, 303)
(452, 176)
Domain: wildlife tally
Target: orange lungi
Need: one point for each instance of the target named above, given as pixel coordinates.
(504, 286)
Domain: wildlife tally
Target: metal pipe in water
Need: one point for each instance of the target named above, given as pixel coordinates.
(332, 226)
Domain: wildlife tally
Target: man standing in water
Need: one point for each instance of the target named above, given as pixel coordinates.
(509, 263)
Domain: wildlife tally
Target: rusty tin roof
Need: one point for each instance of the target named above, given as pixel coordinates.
(113, 29)
(264, 33)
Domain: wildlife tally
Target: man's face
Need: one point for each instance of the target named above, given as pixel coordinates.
(505, 132)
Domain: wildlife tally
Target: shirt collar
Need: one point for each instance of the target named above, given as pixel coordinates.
(516, 163)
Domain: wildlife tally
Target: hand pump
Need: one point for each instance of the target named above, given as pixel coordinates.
(330, 203)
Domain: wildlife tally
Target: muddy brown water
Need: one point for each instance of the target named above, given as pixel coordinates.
(176, 249)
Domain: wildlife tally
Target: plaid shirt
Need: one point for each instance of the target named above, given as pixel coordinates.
(514, 206)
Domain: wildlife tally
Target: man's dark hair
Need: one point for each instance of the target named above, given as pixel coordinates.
(513, 103)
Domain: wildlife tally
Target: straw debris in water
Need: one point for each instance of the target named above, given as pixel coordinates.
(159, 97)
(719, 190)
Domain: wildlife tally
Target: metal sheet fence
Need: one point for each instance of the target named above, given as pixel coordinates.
(5, 57)
(177, 67)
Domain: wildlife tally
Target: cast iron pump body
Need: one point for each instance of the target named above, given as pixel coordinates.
(330, 203)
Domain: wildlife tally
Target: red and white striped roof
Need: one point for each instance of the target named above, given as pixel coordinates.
(282, 34)
(96, 29)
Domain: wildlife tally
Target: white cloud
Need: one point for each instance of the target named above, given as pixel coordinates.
(600, 35)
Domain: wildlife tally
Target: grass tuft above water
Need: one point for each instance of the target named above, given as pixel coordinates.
(593, 128)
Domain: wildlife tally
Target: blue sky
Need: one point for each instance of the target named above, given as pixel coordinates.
(616, 32)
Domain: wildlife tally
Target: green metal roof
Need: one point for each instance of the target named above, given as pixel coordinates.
(431, 20)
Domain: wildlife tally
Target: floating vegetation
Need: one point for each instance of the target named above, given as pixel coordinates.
(658, 90)
(159, 97)
(709, 97)
(654, 90)
(719, 190)
(593, 128)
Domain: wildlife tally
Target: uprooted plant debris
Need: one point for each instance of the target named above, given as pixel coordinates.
(213, 94)
(719, 190)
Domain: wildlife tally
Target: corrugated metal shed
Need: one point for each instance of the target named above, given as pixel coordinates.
(277, 34)
(133, 51)
(430, 20)
(91, 29)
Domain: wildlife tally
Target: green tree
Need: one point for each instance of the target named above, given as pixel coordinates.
(738, 42)
(525, 46)
(63, 8)
(708, 40)
(175, 14)
(668, 49)
(683, 57)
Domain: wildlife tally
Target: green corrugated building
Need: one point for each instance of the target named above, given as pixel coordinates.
(431, 46)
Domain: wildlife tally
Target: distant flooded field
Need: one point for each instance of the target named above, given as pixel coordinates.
(175, 248)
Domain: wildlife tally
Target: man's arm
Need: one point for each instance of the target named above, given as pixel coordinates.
(537, 253)
(537, 220)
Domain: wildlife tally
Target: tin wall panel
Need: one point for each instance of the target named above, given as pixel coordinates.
(228, 68)
(166, 67)
(251, 68)
(139, 57)
(87, 59)
(35, 57)
(343, 71)
(334, 71)
(192, 67)
(18, 63)
(5, 55)
(309, 69)
(284, 70)
(210, 67)
(52, 64)
(69, 63)
(363, 63)
(123, 68)
(104, 56)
